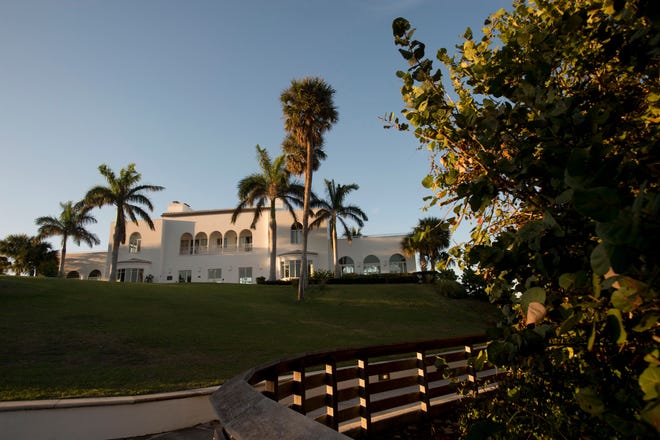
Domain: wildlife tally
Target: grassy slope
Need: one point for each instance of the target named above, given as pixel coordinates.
(67, 338)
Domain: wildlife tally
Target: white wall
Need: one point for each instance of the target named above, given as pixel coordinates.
(160, 256)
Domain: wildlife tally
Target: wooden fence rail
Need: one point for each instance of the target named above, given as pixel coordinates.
(319, 395)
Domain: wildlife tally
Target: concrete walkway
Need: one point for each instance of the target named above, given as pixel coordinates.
(200, 432)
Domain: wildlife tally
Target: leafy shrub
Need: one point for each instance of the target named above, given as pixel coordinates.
(277, 282)
(383, 278)
(450, 289)
(474, 284)
(320, 276)
(551, 148)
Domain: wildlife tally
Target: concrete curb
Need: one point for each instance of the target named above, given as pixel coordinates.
(105, 418)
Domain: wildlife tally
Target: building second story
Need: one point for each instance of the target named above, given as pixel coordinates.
(206, 246)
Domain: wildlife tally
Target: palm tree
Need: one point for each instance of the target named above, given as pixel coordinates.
(333, 209)
(28, 254)
(17, 248)
(296, 157)
(274, 182)
(125, 194)
(309, 112)
(70, 224)
(429, 238)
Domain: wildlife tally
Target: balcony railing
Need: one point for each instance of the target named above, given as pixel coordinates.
(356, 391)
(216, 250)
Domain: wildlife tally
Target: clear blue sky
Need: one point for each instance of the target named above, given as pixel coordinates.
(187, 88)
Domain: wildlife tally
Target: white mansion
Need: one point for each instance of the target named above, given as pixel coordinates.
(204, 246)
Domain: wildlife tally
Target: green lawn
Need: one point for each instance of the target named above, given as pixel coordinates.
(70, 338)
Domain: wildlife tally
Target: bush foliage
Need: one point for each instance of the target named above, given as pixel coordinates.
(551, 147)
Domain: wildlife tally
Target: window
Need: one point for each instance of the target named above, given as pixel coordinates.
(73, 274)
(215, 274)
(186, 244)
(94, 275)
(346, 265)
(398, 264)
(292, 268)
(134, 243)
(245, 275)
(201, 244)
(371, 265)
(130, 275)
(215, 243)
(231, 241)
(185, 276)
(245, 241)
(296, 233)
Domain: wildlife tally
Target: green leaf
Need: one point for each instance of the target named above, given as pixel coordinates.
(428, 181)
(615, 326)
(651, 415)
(626, 299)
(501, 353)
(596, 285)
(649, 382)
(475, 202)
(400, 26)
(647, 322)
(589, 401)
(576, 165)
(566, 280)
(570, 323)
(600, 261)
(535, 294)
(592, 338)
(564, 197)
(601, 204)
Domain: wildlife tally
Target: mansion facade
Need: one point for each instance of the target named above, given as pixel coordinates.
(204, 246)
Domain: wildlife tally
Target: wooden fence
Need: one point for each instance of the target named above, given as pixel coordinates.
(364, 390)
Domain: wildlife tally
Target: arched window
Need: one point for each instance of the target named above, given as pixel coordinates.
(296, 233)
(231, 241)
(73, 275)
(371, 264)
(94, 275)
(201, 244)
(134, 243)
(398, 264)
(215, 243)
(186, 244)
(346, 265)
(245, 240)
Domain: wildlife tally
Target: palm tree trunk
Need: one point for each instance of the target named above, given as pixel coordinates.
(302, 282)
(120, 225)
(114, 256)
(272, 231)
(333, 231)
(63, 256)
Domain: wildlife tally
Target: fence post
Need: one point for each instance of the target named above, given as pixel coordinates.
(471, 371)
(365, 398)
(271, 387)
(331, 398)
(299, 388)
(422, 381)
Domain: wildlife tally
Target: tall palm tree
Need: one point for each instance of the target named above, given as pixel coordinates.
(70, 224)
(333, 209)
(126, 195)
(309, 112)
(429, 238)
(274, 182)
(296, 157)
